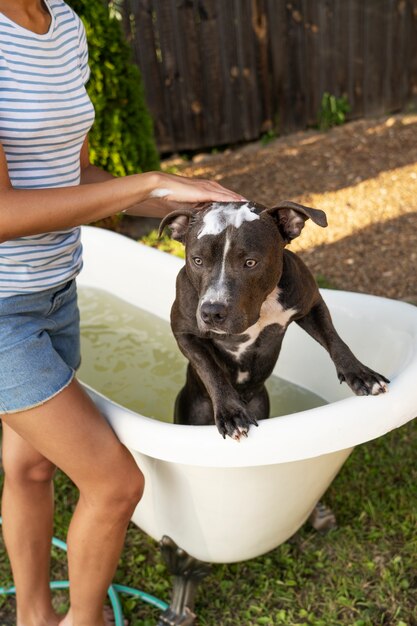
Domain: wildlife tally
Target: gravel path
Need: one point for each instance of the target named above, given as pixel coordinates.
(363, 174)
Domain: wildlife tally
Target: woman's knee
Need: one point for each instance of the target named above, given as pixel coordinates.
(129, 484)
(28, 471)
(22, 463)
(120, 492)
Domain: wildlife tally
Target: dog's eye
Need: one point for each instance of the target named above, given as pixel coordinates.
(197, 260)
(250, 263)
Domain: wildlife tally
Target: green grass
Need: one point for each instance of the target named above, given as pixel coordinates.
(361, 574)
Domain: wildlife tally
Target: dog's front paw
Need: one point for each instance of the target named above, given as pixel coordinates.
(234, 421)
(364, 381)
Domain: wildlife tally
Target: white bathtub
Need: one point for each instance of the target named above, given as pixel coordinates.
(224, 501)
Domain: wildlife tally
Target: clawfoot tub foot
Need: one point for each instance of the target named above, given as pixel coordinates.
(322, 518)
(187, 572)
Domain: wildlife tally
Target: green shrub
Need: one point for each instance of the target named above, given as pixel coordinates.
(164, 243)
(122, 139)
(332, 111)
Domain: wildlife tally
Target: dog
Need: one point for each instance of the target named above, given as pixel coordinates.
(238, 292)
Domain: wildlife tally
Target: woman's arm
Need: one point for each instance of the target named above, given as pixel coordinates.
(151, 207)
(25, 212)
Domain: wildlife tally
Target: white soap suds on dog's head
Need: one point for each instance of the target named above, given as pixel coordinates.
(223, 215)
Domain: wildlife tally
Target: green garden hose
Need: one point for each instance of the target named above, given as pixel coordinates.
(112, 592)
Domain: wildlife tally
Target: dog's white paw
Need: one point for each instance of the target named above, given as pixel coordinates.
(381, 386)
(364, 381)
(233, 421)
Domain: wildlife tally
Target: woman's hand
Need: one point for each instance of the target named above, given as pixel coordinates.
(169, 192)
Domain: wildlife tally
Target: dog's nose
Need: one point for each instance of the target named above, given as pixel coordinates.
(213, 312)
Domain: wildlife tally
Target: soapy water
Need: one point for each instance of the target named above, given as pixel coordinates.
(131, 356)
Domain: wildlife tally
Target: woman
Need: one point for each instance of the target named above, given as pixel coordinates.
(47, 189)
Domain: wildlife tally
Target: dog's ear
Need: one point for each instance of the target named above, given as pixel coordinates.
(291, 217)
(177, 222)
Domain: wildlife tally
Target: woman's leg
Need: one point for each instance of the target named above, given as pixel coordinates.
(70, 432)
(27, 509)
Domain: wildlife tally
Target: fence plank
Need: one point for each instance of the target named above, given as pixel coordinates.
(277, 42)
(213, 78)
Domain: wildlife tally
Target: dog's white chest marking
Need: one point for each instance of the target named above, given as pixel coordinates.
(272, 312)
(221, 216)
(242, 377)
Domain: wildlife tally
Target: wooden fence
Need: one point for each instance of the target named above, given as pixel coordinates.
(218, 72)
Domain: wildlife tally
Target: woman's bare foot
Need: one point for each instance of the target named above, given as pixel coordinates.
(53, 619)
(108, 618)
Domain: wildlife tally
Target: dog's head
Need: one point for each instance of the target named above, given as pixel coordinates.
(234, 257)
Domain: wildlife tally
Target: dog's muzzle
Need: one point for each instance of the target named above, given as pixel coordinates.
(214, 314)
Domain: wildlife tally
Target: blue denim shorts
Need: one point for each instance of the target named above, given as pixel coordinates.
(39, 346)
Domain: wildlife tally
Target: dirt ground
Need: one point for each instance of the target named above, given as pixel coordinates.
(362, 174)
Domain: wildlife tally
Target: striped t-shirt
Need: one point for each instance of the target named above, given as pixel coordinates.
(45, 114)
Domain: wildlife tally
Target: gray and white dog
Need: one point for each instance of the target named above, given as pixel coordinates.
(235, 297)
